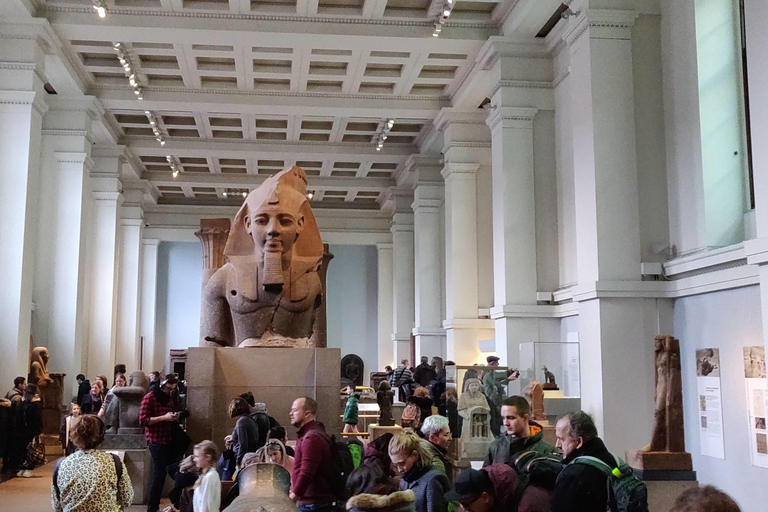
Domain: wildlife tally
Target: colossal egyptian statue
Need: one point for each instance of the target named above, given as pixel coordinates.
(269, 291)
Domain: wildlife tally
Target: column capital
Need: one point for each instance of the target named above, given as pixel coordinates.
(149, 242)
(18, 101)
(381, 247)
(76, 159)
(500, 47)
(400, 198)
(448, 117)
(454, 170)
(602, 24)
(511, 117)
(427, 205)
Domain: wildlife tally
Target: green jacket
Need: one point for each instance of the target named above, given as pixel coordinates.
(504, 449)
(350, 411)
(494, 385)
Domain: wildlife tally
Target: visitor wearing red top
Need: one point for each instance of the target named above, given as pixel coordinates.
(156, 416)
(309, 487)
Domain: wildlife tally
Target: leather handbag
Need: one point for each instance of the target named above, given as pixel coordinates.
(36, 453)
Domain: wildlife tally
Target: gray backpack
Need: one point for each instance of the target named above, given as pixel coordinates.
(626, 492)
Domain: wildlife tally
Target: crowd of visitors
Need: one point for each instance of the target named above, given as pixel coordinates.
(410, 471)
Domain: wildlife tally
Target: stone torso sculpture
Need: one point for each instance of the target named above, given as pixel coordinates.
(534, 393)
(269, 291)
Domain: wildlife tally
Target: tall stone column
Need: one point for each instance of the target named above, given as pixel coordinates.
(61, 285)
(103, 249)
(428, 256)
(128, 348)
(403, 274)
(148, 304)
(466, 149)
(514, 228)
(385, 306)
(616, 334)
(22, 107)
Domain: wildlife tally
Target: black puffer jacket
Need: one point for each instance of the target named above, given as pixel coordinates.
(583, 488)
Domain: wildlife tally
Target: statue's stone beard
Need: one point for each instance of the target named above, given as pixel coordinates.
(273, 269)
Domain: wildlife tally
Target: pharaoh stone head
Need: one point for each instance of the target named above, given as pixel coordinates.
(276, 225)
(473, 387)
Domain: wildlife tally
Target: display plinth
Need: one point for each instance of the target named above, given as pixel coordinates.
(376, 431)
(659, 461)
(276, 376)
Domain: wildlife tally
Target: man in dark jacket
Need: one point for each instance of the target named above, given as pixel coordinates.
(523, 435)
(310, 488)
(83, 388)
(425, 373)
(494, 489)
(580, 487)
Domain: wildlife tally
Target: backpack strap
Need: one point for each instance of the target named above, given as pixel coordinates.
(118, 467)
(56, 478)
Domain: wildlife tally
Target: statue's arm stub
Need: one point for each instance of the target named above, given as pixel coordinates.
(216, 310)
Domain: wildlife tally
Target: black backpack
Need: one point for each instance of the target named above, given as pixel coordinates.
(342, 464)
(534, 468)
(626, 492)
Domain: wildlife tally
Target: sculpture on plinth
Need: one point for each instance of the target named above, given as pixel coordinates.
(385, 397)
(270, 290)
(667, 448)
(122, 416)
(476, 433)
(549, 379)
(50, 388)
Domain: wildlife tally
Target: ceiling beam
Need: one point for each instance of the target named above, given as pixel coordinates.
(135, 24)
(226, 148)
(241, 102)
(223, 180)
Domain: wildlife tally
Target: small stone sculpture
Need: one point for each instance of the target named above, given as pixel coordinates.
(667, 448)
(549, 379)
(263, 488)
(351, 370)
(268, 292)
(476, 433)
(38, 368)
(385, 397)
(534, 393)
(122, 416)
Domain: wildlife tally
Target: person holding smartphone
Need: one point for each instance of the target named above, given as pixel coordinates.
(157, 416)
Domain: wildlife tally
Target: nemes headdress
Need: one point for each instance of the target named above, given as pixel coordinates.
(287, 188)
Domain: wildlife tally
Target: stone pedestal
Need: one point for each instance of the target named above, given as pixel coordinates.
(52, 397)
(276, 376)
(665, 486)
(139, 466)
(659, 461)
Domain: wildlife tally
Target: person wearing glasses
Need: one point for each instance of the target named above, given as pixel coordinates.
(414, 463)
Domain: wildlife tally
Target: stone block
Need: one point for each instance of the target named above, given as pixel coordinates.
(276, 376)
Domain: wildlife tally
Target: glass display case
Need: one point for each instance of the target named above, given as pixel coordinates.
(556, 366)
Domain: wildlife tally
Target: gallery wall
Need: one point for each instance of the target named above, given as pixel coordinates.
(352, 289)
(352, 300)
(737, 324)
(179, 287)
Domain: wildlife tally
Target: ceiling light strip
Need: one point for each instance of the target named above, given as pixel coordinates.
(130, 71)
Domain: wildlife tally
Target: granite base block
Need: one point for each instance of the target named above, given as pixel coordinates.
(276, 376)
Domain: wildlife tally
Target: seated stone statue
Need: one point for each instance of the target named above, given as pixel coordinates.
(268, 292)
(122, 415)
(474, 409)
(38, 368)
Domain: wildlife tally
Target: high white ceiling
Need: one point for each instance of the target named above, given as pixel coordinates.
(243, 88)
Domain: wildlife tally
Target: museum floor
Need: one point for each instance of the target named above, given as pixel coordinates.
(34, 494)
